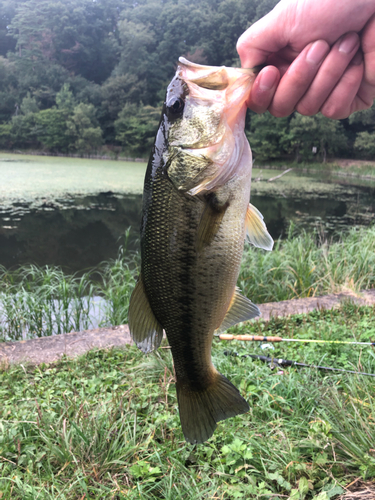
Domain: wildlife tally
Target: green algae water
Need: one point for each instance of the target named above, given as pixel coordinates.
(74, 212)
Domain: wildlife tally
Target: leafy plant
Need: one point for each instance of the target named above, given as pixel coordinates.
(106, 425)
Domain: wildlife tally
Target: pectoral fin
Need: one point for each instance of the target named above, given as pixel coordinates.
(211, 219)
(145, 329)
(256, 231)
(240, 309)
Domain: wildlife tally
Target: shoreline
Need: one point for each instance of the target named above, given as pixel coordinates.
(61, 155)
(341, 171)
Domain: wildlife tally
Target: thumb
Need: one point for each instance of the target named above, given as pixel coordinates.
(263, 38)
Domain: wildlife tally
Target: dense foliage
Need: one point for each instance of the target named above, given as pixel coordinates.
(82, 75)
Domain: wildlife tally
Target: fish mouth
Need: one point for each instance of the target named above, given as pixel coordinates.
(212, 123)
(226, 87)
(216, 77)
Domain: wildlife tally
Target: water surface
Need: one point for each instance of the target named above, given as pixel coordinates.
(74, 212)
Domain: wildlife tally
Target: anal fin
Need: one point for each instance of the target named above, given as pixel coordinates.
(241, 309)
(256, 230)
(145, 329)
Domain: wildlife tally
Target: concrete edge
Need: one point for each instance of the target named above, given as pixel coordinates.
(73, 344)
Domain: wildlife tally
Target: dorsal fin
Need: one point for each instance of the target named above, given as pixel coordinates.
(241, 309)
(256, 230)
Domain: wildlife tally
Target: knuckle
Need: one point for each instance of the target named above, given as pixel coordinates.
(306, 109)
(280, 113)
(334, 112)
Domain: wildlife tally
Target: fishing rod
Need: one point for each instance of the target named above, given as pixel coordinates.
(288, 362)
(252, 338)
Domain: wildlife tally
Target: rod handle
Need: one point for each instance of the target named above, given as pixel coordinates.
(228, 336)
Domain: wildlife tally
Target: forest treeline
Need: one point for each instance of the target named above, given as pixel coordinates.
(82, 76)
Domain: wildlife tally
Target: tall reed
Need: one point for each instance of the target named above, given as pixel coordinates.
(117, 281)
(42, 301)
(37, 301)
(307, 264)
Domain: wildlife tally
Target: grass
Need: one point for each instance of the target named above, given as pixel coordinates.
(44, 301)
(106, 425)
(307, 264)
(345, 167)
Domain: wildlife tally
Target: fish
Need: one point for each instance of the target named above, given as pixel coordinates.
(195, 218)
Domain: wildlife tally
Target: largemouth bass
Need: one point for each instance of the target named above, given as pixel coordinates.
(196, 214)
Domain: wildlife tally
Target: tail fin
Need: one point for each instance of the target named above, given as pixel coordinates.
(201, 409)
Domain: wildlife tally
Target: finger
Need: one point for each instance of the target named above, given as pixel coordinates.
(262, 39)
(368, 47)
(366, 93)
(365, 96)
(329, 74)
(298, 78)
(343, 99)
(263, 89)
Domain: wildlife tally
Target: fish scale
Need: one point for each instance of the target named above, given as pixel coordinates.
(194, 219)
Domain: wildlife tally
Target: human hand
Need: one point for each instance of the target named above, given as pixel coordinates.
(320, 56)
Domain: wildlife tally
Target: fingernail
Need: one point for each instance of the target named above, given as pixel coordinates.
(348, 43)
(317, 52)
(267, 80)
(357, 59)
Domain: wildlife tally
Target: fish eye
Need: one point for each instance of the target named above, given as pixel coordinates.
(175, 106)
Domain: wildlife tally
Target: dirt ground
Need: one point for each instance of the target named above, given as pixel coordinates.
(359, 490)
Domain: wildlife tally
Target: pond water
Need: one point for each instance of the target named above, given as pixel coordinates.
(74, 212)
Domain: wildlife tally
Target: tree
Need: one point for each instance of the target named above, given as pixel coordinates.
(268, 136)
(23, 131)
(6, 135)
(363, 118)
(7, 12)
(29, 105)
(365, 144)
(79, 35)
(136, 128)
(82, 129)
(65, 99)
(114, 55)
(115, 93)
(154, 34)
(308, 132)
(9, 94)
(51, 129)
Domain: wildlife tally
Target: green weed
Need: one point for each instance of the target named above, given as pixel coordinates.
(106, 425)
(306, 265)
(44, 301)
